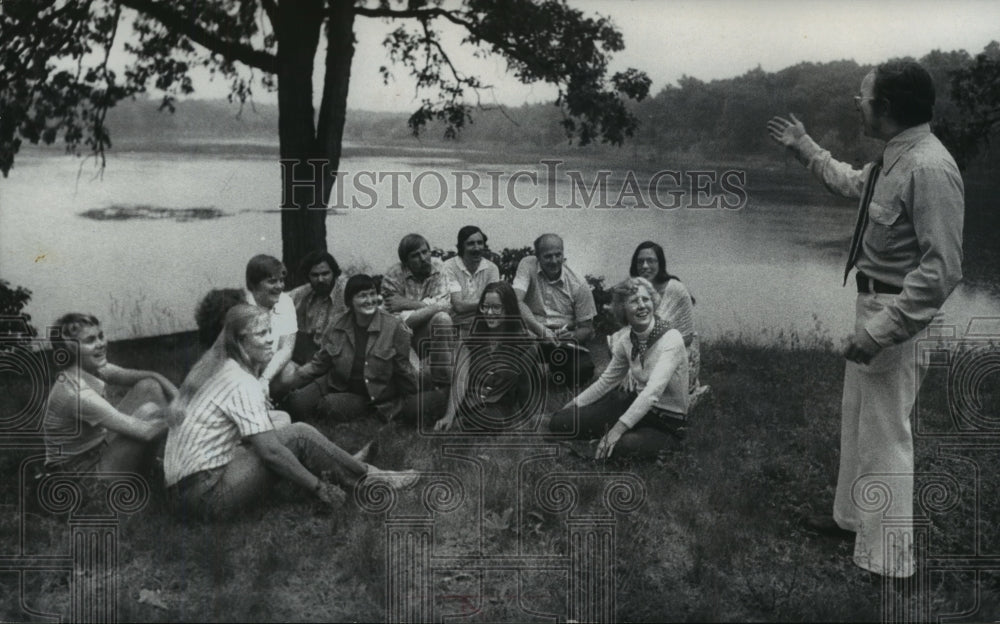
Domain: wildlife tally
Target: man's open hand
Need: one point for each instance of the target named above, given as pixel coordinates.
(785, 132)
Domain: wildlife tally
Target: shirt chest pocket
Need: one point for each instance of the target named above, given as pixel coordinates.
(380, 365)
(338, 360)
(881, 221)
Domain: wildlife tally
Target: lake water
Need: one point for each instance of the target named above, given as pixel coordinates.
(774, 264)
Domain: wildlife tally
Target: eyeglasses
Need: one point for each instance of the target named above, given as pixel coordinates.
(489, 308)
(858, 99)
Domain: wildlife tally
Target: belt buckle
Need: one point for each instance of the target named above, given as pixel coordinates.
(866, 284)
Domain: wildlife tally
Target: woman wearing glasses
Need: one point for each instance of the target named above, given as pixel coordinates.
(497, 382)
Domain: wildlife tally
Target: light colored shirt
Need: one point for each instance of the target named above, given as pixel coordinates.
(74, 415)
(469, 285)
(566, 301)
(913, 239)
(283, 319)
(229, 407)
(659, 376)
(676, 307)
(399, 280)
(314, 313)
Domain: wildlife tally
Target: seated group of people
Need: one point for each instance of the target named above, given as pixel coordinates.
(448, 345)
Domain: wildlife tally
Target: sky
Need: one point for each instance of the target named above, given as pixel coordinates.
(707, 39)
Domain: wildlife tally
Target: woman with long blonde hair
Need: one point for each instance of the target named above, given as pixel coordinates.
(223, 449)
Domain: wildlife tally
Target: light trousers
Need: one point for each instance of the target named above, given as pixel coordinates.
(875, 483)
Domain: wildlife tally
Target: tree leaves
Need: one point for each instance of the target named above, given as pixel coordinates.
(54, 57)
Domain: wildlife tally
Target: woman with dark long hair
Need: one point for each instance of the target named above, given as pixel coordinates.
(676, 303)
(497, 383)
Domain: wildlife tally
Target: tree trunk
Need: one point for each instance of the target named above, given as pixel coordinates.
(333, 108)
(303, 208)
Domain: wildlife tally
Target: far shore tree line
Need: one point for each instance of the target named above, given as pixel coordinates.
(716, 119)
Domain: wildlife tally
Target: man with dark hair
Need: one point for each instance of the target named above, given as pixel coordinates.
(317, 301)
(416, 291)
(558, 306)
(468, 273)
(907, 249)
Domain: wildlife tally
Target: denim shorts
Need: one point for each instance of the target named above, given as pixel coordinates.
(194, 495)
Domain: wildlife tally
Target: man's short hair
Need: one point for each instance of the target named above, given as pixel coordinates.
(541, 239)
(315, 257)
(909, 90)
(465, 233)
(409, 244)
(262, 267)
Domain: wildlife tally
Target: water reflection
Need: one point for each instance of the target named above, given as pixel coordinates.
(774, 264)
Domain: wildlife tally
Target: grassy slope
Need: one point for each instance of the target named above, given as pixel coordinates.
(717, 538)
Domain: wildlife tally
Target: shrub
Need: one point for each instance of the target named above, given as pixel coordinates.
(13, 320)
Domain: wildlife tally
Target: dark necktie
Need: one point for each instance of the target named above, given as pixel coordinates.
(859, 227)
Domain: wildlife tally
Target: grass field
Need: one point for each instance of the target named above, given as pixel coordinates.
(716, 536)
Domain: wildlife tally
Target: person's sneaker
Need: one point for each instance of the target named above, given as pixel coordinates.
(826, 526)
(367, 452)
(395, 479)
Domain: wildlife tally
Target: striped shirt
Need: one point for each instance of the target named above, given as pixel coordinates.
(229, 407)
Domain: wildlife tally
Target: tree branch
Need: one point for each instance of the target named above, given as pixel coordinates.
(421, 14)
(100, 135)
(189, 28)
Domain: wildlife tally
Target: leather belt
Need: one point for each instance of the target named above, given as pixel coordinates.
(867, 285)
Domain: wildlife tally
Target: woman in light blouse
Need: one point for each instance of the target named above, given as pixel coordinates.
(83, 431)
(676, 303)
(641, 398)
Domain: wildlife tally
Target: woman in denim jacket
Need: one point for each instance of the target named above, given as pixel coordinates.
(363, 367)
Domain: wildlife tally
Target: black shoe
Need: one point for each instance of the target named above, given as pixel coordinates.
(826, 526)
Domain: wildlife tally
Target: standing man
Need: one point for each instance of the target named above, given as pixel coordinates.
(416, 291)
(557, 305)
(907, 249)
(468, 273)
(317, 301)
